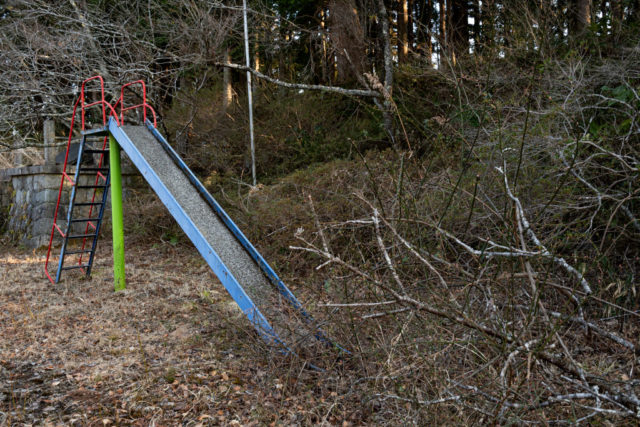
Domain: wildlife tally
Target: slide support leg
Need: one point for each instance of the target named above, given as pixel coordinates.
(117, 218)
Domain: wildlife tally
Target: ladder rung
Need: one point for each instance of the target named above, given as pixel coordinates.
(83, 219)
(94, 169)
(81, 236)
(71, 267)
(94, 151)
(95, 132)
(87, 204)
(84, 251)
(91, 186)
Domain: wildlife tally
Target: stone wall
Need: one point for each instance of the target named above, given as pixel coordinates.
(28, 197)
(6, 201)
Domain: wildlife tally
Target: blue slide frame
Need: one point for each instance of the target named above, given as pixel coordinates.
(234, 288)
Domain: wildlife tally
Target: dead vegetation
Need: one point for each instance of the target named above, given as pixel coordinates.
(171, 349)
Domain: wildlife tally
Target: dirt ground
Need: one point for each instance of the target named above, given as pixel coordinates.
(172, 349)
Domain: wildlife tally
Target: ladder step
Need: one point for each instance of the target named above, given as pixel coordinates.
(83, 219)
(94, 151)
(71, 267)
(87, 204)
(84, 251)
(94, 169)
(96, 132)
(91, 186)
(81, 236)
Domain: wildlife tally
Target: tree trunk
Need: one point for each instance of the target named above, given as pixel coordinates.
(617, 12)
(227, 90)
(403, 31)
(580, 17)
(325, 61)
(388, 71)
(442, 7)
(487, 22)
(460, 26)
(634, 17)
(423, 35)
(411, 35)
(475, 4)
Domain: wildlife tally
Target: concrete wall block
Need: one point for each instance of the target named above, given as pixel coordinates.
(47, 181)
(41, 197)
(16, 183)
(44, 211)
(41, 227)
(64, 198)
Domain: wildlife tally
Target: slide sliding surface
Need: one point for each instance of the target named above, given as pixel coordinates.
(267, 305)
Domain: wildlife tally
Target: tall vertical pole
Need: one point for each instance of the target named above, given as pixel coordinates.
(249, 91)
(117, 217)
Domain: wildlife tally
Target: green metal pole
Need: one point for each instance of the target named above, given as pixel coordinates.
(117, 217)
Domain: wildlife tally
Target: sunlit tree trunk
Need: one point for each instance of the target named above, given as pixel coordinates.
(325, 60)
(580, 17)
(403, 31)
(443, 36)
(227, 90)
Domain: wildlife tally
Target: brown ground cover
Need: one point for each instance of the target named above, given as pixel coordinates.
(171, 349)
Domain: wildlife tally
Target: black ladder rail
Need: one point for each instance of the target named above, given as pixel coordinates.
(94, 244)
(72, 199)
(94, 222)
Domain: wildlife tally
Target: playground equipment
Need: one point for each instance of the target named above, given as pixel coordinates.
(266, 301)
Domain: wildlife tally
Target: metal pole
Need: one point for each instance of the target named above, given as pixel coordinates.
(249, 90)
(117, 217)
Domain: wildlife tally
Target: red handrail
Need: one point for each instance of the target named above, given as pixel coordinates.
(112, 112)
(144, 104)
(64, 169)
(80, 102)
(100, 102)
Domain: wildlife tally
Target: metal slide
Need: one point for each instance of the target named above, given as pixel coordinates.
(263, 297)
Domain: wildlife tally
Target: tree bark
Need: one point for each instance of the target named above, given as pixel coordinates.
(423, 34)
(475, 4)
(460, 26)
(444, 45)
(617, 12)
(634, 16)
(388, 70)
(325, 61)
(334, 89)
(580, 17)
(487, 23)
(403, 31)
(227, 90)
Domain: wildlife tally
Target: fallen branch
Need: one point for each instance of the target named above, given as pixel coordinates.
(334, 89)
